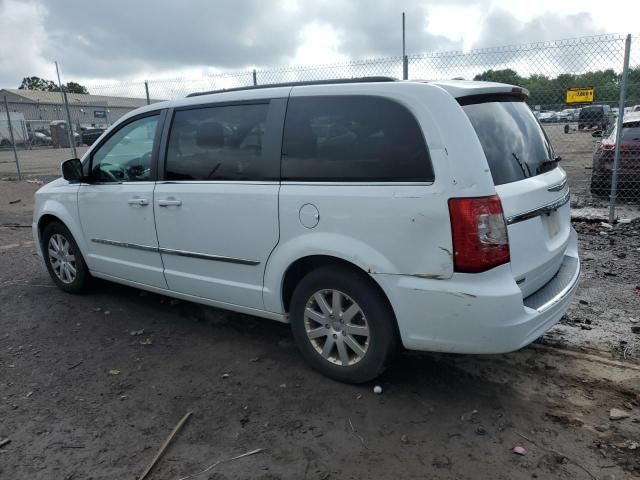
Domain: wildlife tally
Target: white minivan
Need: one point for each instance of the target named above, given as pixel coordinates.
(368, 213)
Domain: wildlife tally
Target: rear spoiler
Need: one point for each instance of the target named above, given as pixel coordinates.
(516, 95)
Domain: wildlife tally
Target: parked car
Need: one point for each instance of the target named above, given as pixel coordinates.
(39, 138)
(367, 214)
(595, 116)
(629, 162)
(568, 115)
(90, 135)
(547, 116)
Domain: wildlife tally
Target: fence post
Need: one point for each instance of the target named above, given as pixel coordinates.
(255, 77)
(616, 155)
(72, 140)
(405, 60)
(13, 141)
(146, 90)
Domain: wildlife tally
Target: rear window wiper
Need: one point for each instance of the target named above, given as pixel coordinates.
(548, 165)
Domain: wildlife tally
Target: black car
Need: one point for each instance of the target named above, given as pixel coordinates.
(90, 135)
(594, 116)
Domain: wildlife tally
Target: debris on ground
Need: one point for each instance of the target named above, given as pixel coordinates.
(146, 341)
(13, 202)
(4, 442)
(518, 450)
(164, 446)
(114, 372)
(617, 414)
(252, 452)
(377, 389)
(136, 333)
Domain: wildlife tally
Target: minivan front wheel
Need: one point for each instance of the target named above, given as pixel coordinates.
(63, 259)
(342, 325)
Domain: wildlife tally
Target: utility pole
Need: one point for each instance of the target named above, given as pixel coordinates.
(405, 60)
(72, 140)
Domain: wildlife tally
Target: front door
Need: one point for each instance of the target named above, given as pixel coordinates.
(116, 206)
(217, 208)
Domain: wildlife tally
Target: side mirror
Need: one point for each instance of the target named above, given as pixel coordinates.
(597, 134)
(72, 170)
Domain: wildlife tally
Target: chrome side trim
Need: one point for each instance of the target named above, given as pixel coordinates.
(125, 244)
(559, 186)
(206, 256)
(181, 253)
(550, 207)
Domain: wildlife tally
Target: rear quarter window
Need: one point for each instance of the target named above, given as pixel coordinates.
(513, 141)
(353, 138)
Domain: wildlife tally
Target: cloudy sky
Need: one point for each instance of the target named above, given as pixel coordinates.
(146, 39)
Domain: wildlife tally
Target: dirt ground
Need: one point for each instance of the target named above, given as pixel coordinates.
(91, 386)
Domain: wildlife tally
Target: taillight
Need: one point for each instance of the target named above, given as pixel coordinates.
(479, 231)
(608, 145)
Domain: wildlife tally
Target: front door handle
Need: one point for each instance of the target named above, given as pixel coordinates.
(169, 202)
(138, 201)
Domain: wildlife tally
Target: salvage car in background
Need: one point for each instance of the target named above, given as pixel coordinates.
(629, 163)
(90, 135)
(595, 116)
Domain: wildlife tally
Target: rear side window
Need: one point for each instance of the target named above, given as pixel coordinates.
(353, 138)
(217, 143)
(513, 141)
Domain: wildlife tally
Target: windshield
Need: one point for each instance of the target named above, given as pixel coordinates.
(513, 141)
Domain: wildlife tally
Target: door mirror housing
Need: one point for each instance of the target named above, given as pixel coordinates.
(72, 170)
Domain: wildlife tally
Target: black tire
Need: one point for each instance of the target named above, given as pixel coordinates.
(382, 340)
(82, 276)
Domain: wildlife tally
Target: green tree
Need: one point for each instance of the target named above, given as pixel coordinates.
(506, 75)
(37, 83)
(73, 87)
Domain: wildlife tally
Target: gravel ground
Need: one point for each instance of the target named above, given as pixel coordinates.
(91, 385)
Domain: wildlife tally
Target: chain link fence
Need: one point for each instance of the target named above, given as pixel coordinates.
(583, 135)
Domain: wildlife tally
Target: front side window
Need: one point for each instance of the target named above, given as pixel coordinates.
(217, 143)
(353, 138)
(126, 155)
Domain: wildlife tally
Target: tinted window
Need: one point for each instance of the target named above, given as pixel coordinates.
(515, 145)
(126, 155)
(631, 132)
(355, 138)
(217, 143)
(588, 113)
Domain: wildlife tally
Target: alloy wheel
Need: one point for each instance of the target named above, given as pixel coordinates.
(336, 327)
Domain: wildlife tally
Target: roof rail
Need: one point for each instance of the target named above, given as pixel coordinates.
(298, 84)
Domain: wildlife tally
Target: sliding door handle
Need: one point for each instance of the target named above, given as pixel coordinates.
(169, 202)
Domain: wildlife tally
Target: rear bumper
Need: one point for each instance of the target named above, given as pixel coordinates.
(479, 313)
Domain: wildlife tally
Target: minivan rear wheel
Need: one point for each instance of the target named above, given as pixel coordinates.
(343, 325)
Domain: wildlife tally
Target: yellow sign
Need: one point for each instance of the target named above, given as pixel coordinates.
(580, 95)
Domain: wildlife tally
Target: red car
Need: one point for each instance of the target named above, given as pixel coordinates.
(629, 165)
